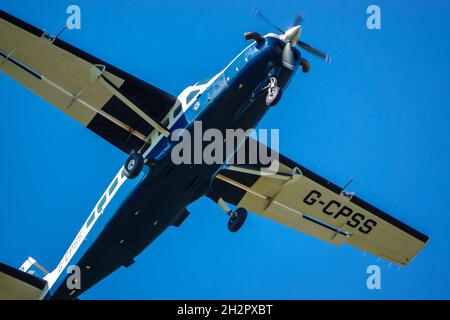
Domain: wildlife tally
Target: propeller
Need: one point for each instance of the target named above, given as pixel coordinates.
(287, 56)
(314, 51)
(259, 14)
(292, 34)
(298, 20)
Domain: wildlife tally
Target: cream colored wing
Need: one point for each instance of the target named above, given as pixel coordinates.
(300, 199)
(115, 105)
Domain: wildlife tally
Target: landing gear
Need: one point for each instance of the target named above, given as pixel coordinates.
(133, 165)
(305, 66)
(237, 219)
(273, 93)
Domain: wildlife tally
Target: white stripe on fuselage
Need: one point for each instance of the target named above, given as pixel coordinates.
(53, 276)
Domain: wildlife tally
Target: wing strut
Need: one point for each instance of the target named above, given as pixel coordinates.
(96, 73)
(116, 91)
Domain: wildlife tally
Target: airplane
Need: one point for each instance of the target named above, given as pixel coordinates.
(150, 192)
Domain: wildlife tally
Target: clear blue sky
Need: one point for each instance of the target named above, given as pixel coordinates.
(381, 109)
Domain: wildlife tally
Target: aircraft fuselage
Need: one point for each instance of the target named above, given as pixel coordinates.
(146, 206)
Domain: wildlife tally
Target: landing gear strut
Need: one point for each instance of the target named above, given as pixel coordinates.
(133, 165)
(273, 92)
(237, 218)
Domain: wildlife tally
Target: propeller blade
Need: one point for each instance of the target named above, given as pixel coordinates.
(298, 20)
(258, 13)
(314, 51)
(287, 57)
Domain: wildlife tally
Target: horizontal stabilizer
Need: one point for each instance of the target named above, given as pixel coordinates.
(19, 285)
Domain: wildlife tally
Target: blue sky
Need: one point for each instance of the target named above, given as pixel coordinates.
(381, 110)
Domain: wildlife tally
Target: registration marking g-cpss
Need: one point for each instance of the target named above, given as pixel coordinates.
(335, 209)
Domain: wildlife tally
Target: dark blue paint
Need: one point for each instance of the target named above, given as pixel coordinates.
(163, 192)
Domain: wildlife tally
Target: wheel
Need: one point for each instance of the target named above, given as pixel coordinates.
(237, 219)
(305, 65)
(273, 96)
(133, 165)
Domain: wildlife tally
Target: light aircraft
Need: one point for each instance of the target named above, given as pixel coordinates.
(139, 119)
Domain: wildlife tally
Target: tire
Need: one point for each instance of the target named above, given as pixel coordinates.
(235, 223)
(273, 96)
(133, 166)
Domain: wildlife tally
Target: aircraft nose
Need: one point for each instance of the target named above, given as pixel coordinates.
(292, 35)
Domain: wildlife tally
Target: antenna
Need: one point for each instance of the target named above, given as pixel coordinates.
(348, 183)
(60, 32)
(50, 37)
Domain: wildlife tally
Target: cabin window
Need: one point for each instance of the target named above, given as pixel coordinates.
(90, 219)
(177, 111)
(191, 96)
(113, 186)
(101, 204)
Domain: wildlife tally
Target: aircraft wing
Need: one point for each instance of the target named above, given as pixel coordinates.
(103, 98)
(301, 199)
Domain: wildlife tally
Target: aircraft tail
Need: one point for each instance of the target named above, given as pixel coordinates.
(25, 283)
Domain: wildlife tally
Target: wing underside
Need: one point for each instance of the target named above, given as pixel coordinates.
(300, 199)
(91, 91)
